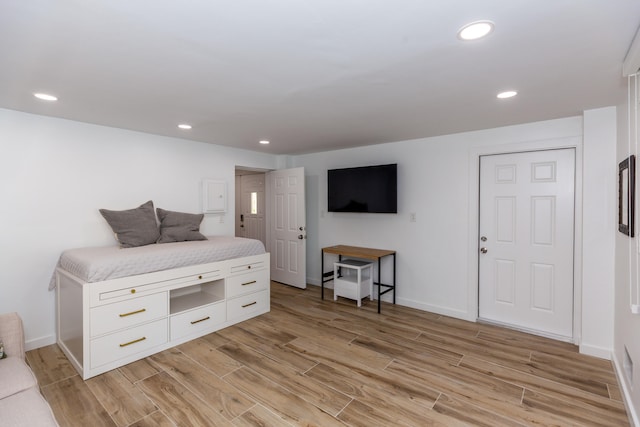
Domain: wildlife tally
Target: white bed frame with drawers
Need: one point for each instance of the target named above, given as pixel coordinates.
(104, 325)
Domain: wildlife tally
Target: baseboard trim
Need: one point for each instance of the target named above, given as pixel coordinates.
(445, 311)
(329, 285)
(314, 282)
(626, 396)
(595, 351)
(34, 343)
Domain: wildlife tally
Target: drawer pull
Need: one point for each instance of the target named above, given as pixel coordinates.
(200, 320)
(251, 303)
(199, 277)
(249, 267)
(249, 283)
(133, 342)
(133, 312)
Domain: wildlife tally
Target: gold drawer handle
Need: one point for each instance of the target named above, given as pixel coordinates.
(249, 283)
(201, 320)
(251, 303)
(133, 312)
(133, 342)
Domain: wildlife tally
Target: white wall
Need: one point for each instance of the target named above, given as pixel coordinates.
(627, 324)
(437, 257)
(54, 176)
(599, 231)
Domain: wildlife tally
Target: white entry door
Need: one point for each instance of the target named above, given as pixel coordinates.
(287, 227)
(252, 221)
(526, 241)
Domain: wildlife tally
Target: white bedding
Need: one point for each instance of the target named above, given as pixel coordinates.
(112, 262)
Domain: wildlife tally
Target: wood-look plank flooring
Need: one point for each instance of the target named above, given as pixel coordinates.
(323, 363)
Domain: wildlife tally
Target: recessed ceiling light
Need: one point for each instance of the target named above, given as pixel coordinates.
(264, 142)
(184, 126)
(45, 97)
(507, 94)
(475, 30)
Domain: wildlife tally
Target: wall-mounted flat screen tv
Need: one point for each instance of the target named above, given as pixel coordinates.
(372, 189)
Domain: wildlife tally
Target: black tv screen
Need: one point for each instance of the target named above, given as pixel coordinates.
(371, 189)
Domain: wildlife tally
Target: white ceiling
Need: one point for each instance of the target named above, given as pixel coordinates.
(311, 75)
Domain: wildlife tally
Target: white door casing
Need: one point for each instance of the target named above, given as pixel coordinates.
(287, 226)
(527, 217)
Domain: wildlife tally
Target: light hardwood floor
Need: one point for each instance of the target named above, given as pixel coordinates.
(324, 363)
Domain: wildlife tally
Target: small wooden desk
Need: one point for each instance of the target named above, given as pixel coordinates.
(363, 253)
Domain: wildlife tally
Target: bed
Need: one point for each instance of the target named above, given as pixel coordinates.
(115, 306)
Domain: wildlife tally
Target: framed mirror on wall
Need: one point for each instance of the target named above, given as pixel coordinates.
(626, 195)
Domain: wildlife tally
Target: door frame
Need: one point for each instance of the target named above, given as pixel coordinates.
(574, 142)
(267, 194)
(240, 200)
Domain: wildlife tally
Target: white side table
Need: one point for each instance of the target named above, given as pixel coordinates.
(355, 280)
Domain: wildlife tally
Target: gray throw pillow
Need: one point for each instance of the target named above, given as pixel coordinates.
(179, 226)
(133, 227)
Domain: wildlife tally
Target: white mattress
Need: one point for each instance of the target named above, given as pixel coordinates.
(112, 262)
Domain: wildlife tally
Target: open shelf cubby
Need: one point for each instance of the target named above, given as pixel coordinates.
(195, 296)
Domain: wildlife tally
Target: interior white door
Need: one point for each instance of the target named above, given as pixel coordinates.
(252, 205)
(526, 241)
(287, 219)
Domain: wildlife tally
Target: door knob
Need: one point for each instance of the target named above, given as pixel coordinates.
(300, 236)
(483, 238)
(484, 250)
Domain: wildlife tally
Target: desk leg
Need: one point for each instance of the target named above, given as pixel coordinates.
(394, 278)
(322, 273)
(379, 284)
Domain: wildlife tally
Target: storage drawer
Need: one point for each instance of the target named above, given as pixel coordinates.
(125, 314)
(119, 345)
(247, 306)
(238, 268)
(197, 320)
(349, 289)
(247, 283)
(150, 287)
